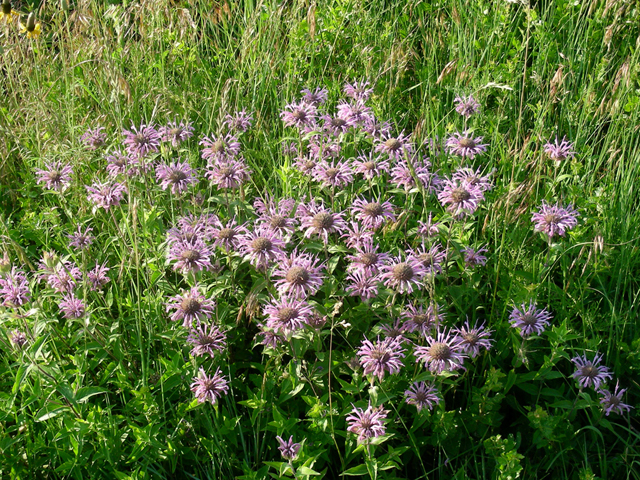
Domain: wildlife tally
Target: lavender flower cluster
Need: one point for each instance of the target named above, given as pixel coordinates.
(281, 239)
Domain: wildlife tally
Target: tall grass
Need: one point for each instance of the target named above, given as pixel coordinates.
(110, 398)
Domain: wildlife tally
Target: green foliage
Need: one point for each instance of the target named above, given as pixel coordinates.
(108, 395)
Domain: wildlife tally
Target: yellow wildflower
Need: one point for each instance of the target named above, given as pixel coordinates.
(31, 28)
(7, 15)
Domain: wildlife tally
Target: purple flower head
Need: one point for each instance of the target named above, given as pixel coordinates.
(367, 423)
(322, 147)
(230, 173)
(370, 165)
(357, 235)
(403, 276)
(444, 352)
(395, 330)
(228, 235)
(464, 145)
(288, 449)
(277, 217)
(554, 220)
(559, 151)
(71, 306)
(405, 173)
(377, 129)
(372, 215)
(380, 357)
(474, 177)
(118, 164)
(317, 321)
(316, 98)
(359, 91)
(18, 338)
(337, 174)
(355, 114)
(474, 338)
(334, 126)
(190, 257)
(466, 106)
(270, 338)
(305, 165)
(219, 149)
(240, 121)
(315, 219)
(460, 198)
(80, 239)
(289, 149)
(396, 147)
(177, 176)
(422, 396)
(367, 258)
(529, 320)
(94, 139)
(195, 226)
(61, 276)
(363, 284)
(287, 315)
(14, 289)
(428, 229)
(300, 115)
(269, 206)
(206, 340)
(612, 402)
(190, 307)
(473, 258)
(431, 259)
(209, 389)
(261, 247)
(590, 373)
(176, 133)
(186, 232)
(421, 320)
(142, 141)
(298, 275)
(98, 277)
(106, 195)
(56, 176)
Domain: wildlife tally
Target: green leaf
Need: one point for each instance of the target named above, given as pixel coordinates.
(85, 392)
(49, 411)
(356, 471)
(307, 471)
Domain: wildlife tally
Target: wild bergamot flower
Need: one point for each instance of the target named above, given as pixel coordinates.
(190, 307)
(444, 352)
(289, 449)
(529, 319)
(422, 396)
(367, 423)
(590, 373)
(381, 356)
(209, 388)
(554, 220)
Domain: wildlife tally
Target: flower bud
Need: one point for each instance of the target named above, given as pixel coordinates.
(6, 7)
(5, 263)
(31, 22)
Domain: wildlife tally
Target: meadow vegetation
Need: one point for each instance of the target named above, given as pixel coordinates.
(295, 239)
